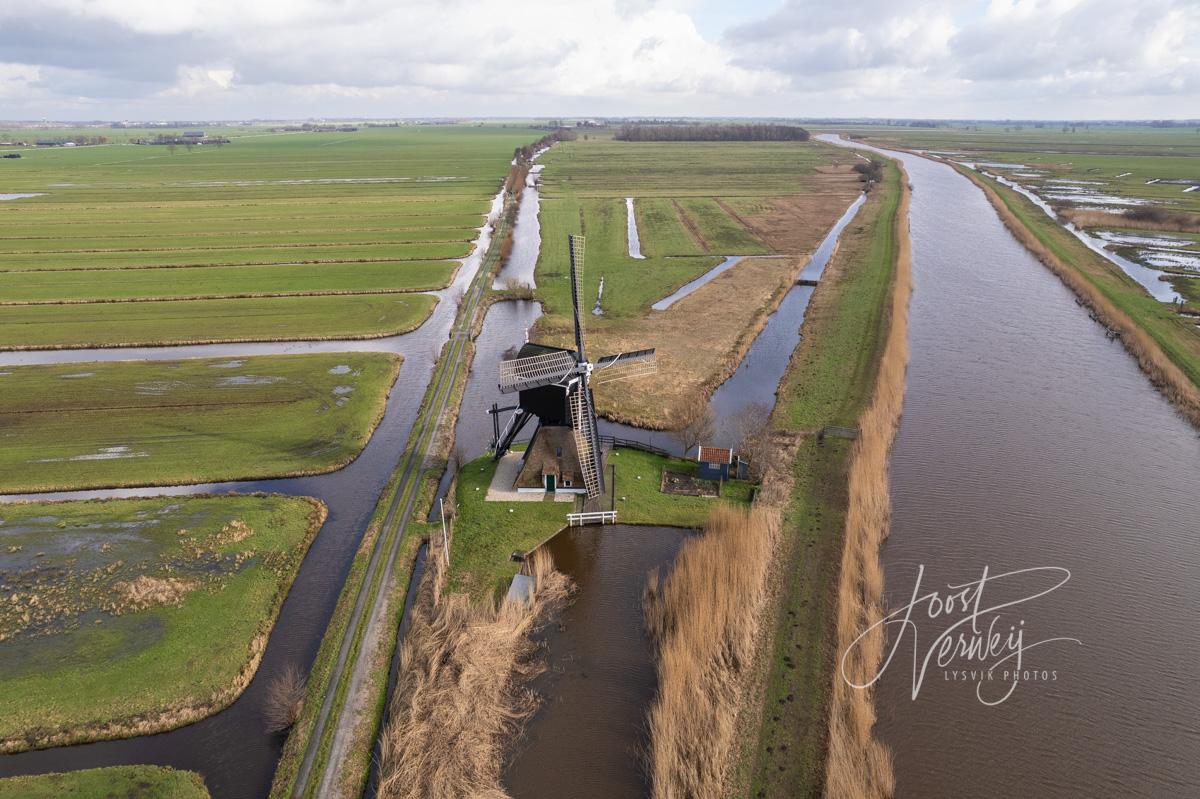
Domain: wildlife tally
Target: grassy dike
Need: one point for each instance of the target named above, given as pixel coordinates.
(1165, 345)
(413, 484)
(848, 370)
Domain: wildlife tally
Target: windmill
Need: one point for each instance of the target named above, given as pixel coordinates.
(554, 385)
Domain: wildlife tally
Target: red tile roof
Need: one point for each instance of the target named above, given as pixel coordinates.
(715, 455)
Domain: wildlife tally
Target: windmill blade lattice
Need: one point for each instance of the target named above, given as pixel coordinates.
(576, 246)
(519, 374)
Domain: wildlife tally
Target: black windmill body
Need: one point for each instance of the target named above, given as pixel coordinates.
(554, 385)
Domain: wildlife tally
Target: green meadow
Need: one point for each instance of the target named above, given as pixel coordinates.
(486, 533)
(115, 782)
(215, 282)
(197, 321)
(130, 616)
(687, 197)
(92, 425)
(248, 223)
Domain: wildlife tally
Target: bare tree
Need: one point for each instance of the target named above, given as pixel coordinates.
(692, 424)
(285, 699)
(748, 431)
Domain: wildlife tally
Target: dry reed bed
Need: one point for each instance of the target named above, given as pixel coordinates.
(857, 765)
(1156, 364)
(182, 714)
(462, 692)
(705, 620)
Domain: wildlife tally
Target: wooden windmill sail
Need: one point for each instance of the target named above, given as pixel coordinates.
(555, 385)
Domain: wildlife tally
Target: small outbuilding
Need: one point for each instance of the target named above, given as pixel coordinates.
(714, 463)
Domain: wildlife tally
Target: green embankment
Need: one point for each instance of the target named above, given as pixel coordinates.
(126, 617)
(116, 782)
(829, 382)
(93, 425)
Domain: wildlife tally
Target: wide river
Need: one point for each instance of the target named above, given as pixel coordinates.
(1029, 441)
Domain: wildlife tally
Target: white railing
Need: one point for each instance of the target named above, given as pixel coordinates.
(592, 517)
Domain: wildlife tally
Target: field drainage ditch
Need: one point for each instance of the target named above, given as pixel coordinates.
(631, 230)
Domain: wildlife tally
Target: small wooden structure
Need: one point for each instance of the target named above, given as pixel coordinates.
(714, 463)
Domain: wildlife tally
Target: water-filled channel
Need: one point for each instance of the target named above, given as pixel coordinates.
(1029, 440)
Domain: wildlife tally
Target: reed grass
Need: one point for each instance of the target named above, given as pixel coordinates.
(705, 618)
(857, 765)
(462, 692)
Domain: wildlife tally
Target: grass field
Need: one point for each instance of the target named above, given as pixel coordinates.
(694, 201)
(224, 281)
(190, 421)
(116, 782)
(486, 533)
(132, 616)
(111, 324)
(267, 215)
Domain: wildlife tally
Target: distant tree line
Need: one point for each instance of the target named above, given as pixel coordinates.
(753, 132)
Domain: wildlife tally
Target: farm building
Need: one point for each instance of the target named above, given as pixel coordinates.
(714, 463)
(193, 134)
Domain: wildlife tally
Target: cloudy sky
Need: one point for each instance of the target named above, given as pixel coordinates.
(175, 59)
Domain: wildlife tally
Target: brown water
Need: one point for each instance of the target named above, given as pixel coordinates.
(1029, 440)
(587, 741)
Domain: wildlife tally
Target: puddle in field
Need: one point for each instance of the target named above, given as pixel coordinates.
(1095, 198)
(1145, 241)
(76, 376)
(251, 380)
(1170, 260)
(340, 369)
(104, 454)
(234, 364)
(22, 196)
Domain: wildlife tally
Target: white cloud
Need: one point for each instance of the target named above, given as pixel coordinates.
(264, 58)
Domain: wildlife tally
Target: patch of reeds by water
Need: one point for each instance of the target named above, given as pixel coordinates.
(704, 619)
(462, 689)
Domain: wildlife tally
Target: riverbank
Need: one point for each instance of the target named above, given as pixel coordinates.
(1165, 345)
(848, 357)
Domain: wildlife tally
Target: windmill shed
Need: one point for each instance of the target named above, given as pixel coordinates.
(551, 462)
